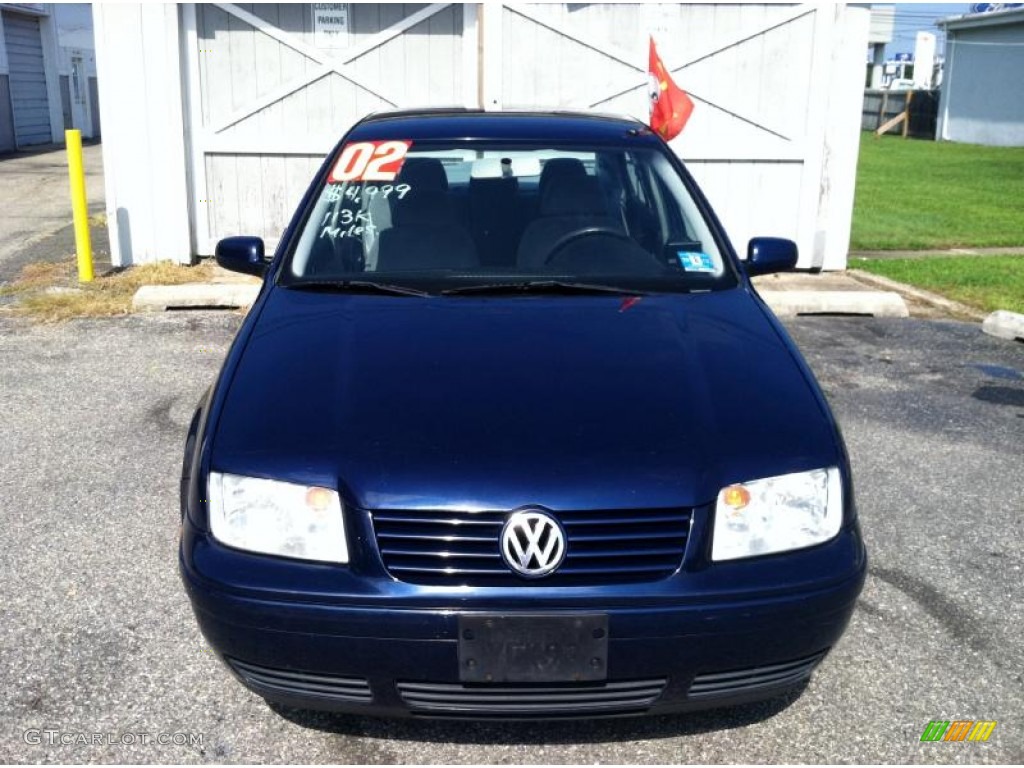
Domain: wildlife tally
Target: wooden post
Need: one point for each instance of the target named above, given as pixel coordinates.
(906, 112)
(891, 123)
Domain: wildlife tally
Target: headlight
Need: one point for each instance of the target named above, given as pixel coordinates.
(277, 518)
(777, 514)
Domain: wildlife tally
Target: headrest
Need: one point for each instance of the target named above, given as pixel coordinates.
(560, 168)
(423, 174)
(572, 196)
(493, 191)
(423, 209)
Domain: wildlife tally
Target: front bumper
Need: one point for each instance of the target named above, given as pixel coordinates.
(389, 648)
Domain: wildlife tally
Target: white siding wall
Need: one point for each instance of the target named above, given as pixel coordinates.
(982, 100)
(48, 31)
(144, 154)
(841, 140)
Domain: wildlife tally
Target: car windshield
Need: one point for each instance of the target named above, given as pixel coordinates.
(473, 218)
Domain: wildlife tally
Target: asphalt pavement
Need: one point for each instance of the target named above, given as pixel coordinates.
(35, 206)
(100, 646)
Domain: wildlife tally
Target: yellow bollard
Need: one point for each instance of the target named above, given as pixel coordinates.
(79, 207)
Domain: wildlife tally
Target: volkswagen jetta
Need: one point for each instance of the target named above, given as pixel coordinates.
(509, 433)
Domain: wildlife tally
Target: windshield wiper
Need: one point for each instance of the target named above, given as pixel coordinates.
(357, 286)
(543, 286)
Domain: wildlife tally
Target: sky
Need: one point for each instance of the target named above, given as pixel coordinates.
(912, 18)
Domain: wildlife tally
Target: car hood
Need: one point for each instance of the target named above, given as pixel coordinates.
(564, 402)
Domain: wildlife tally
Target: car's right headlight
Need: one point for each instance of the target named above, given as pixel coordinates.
(777, 514)
(277, 518)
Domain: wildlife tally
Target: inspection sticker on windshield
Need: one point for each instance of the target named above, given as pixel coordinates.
(695, 261)
(369, 161)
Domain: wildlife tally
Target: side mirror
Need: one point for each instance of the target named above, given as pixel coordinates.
(770, 254)
(242, 254)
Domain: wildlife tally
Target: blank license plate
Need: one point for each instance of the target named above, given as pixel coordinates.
(533, 649)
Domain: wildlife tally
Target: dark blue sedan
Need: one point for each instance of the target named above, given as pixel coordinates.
(509, 434)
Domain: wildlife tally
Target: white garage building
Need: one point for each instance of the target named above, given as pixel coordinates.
(47, 74)
(216, 115)
(982, 99)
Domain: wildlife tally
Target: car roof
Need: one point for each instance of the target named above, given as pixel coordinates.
(475, 124)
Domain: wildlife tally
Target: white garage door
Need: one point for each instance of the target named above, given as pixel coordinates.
(28, 80)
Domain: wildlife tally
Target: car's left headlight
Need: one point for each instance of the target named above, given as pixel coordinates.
(277, 518)
(777, 514)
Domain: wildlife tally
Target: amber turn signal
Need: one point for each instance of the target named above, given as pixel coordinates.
(318, 498)
(735, 496)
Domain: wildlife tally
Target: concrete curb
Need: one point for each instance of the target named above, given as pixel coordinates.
(927, 297)
(933, 253)
(787, 303)
(1004, 325)
(876, 303)
(158, 298)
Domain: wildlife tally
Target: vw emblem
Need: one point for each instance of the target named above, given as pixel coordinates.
(532, 543)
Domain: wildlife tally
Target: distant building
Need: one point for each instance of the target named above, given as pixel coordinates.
(982, 100)
(47, 73)
(879, 35)
(79, 88)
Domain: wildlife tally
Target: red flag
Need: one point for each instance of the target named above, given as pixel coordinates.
(670, 106)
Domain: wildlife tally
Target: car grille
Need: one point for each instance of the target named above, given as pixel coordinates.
(527, 700)
(603, 547)
(304, 684)
(751, 680)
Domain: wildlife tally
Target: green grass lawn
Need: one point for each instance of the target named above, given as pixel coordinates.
(986, 282)
(917, 194)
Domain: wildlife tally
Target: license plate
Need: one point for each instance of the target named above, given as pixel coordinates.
(533, 649)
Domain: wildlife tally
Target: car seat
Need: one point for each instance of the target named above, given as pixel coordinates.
(570, 201)
(425, 236)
